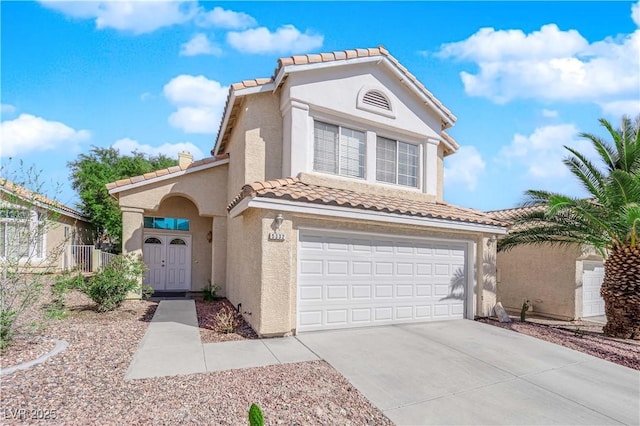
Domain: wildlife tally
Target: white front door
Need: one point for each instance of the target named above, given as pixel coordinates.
(356, 280)
(592, 277)
(168, 259)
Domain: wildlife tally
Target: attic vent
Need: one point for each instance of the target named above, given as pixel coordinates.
(376, 99)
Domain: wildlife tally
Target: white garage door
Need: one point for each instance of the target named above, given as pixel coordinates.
(355, 280)
(592, 277)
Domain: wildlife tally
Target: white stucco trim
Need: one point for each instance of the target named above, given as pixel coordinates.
(42, 205)
(168, 176)
(357, 214)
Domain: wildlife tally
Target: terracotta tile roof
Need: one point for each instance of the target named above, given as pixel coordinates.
(294, 190)
(32, 197)
(314, 58)
(164, 172)
(510, 215)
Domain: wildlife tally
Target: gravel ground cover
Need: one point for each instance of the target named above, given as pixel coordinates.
(614, 350)
(208, 319)
(85, 384)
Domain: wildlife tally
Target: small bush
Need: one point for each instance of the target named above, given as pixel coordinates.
(227, 320)
(209, 293)
(109, 287)
(6, 328)
(62, 285)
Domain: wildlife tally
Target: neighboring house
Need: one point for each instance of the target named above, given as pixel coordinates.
(321, 206)
(35, 230)
(560, 282)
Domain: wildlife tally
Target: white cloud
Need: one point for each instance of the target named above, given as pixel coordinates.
(549, 113)
(199, 100)
(617, 109)
(549, 64)
(228, 19)
(200, 45)
(28, 133)
(635, 13)
(541, 153)
(285, 39)
(464, 168)
(171, 150)
(138, 17)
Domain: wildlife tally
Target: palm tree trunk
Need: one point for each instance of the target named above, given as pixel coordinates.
(621, 293)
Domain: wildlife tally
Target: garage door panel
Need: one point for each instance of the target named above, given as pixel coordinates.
(337, 267)
(372, 281)
(337, 292)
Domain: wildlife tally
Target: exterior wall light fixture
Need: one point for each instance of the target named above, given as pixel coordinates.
(277, 223)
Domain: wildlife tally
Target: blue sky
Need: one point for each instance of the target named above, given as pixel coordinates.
(523, 78)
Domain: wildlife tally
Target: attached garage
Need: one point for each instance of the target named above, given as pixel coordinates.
(592, 277)
(357, 279)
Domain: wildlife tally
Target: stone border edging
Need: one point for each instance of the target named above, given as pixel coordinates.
(61, 345)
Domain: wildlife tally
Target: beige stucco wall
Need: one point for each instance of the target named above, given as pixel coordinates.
(255, 145)
(244, 251)
(264, 273)
(205, 188)
(549, 277)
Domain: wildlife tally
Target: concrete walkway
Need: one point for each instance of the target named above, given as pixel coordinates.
(171, 346)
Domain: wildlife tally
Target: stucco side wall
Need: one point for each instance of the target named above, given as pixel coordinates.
(255, 144)
(219, 254)
(546, 276)
(244, 266)
(205, 188)
(279, 263)
(199, 227)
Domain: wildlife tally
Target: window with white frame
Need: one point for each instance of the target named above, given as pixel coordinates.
(21, 233)
(396, 162)
(338, 150)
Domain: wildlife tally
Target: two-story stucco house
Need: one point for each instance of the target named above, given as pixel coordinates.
(322, 204)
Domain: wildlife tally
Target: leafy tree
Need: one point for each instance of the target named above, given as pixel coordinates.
(91, 172)
(608, 220)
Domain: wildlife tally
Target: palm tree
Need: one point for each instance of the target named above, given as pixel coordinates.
(608, 220)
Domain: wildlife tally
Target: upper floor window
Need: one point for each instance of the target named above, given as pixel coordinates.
(396, 162)
(338, 150)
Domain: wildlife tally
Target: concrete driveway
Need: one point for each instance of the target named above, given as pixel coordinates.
(464, 372)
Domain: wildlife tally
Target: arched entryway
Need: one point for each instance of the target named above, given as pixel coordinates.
(175, 246)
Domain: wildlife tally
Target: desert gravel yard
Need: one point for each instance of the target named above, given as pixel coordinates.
(85, 385)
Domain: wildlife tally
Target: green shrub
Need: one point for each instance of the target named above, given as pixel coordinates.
(109, 287)
(6, 328)
(255, 416)
(209, 293)
(61, 286)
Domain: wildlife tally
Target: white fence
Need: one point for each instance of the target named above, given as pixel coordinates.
(85, 258)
